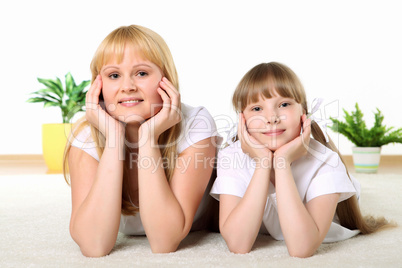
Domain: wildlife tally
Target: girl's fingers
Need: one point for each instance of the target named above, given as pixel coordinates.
(240, 127)
(306, 129)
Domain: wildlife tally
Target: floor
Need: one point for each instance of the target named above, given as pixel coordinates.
(34, 164)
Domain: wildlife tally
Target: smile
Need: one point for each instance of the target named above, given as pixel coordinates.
(276, 132)
(130, 102)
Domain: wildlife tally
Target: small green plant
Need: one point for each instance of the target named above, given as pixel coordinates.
(70, 99)
(356, 131)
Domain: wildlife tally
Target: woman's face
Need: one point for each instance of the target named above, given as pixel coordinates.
(274, 122)
(130, 88)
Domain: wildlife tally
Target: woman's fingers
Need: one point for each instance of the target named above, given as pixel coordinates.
(92, 96)
(171, 91)
(172, 103)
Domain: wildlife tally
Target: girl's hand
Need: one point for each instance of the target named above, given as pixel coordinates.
(168, 116)
(96, 115)
(251, 146)
(296, 148)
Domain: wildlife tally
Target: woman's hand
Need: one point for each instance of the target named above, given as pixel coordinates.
(96, 115)
(168, 116)
(296, 148)
(251, 146)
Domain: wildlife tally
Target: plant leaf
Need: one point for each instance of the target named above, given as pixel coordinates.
(53, 85)
(70, 83)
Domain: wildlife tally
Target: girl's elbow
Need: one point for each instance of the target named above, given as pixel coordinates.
(95, 251)
(239, 249)
(301, 251)
(164, 247)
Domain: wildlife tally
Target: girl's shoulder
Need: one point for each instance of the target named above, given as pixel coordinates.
(322, 172)
(322, 156)
(233, 158)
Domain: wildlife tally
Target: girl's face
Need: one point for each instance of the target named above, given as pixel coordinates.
(274, 122)
(130, 87)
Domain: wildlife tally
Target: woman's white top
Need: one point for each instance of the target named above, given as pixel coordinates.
(318, 173)
(197, 125)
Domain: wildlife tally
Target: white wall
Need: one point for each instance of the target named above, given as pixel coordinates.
(344, 51)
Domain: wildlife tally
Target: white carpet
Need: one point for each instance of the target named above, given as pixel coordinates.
(34, 218)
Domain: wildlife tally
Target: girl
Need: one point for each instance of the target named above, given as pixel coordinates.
(299, 189)
(134, 161)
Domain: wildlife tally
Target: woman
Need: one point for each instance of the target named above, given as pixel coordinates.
(135, 160)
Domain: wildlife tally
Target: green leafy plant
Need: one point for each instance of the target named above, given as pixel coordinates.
(356, 131)
(70, 99)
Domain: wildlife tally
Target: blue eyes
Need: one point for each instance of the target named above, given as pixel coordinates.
(258, 109)
(115, 75)
(141, 74)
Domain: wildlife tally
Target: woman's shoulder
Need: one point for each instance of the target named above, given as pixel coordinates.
(191, 113)
(197, 124)
(81, 138)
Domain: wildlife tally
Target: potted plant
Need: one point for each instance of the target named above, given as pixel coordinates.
(71, 100)
(366, 153)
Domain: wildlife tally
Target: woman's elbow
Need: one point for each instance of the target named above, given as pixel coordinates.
(93, 249)
(237, 246)
(168, 242)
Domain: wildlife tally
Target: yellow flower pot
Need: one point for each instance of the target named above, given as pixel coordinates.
(54, 138)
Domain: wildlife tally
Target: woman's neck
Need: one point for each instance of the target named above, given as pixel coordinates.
(132, 135)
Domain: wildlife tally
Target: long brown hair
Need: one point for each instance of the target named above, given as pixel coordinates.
(153, 48)
(266, 78)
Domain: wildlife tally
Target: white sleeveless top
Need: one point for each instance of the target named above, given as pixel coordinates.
(198, 125)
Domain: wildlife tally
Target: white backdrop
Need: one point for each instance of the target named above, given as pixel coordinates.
(343, 51)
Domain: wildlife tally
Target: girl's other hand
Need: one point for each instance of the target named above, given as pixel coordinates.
(250, 145)
(296, 148)
(168, 116)
(96, 115)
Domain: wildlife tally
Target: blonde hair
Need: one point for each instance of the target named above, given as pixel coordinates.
(153, 48)
(267, 78)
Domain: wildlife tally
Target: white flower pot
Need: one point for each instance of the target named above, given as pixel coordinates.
(366, 159)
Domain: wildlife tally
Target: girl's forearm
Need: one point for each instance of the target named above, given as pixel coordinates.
(301, 234)
(161, 214)
(96, 223)
(242, 225)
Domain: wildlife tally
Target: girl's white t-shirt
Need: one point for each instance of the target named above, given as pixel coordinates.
(318, 173)
(197, 125)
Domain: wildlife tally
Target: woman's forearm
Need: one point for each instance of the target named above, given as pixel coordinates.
(241, 227)
(162, 216)
(95, 224)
